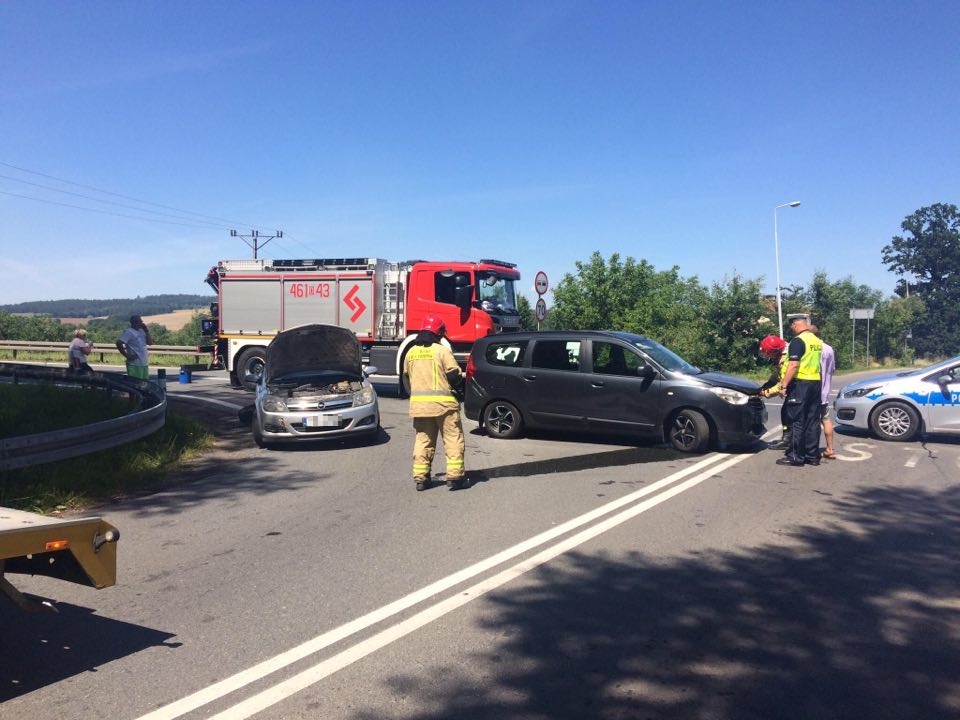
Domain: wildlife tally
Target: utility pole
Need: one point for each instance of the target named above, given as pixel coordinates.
(254, 239)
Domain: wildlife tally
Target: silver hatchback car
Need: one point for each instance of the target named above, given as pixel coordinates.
(899, 406)
(314, 388)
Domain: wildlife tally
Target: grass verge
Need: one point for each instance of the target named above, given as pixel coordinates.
(71, 485)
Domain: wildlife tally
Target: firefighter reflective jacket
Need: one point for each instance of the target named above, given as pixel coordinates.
(429, 368)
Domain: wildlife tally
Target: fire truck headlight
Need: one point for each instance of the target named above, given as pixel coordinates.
(363, 397)
(274, 404)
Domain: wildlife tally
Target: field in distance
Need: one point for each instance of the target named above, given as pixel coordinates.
(172, 321)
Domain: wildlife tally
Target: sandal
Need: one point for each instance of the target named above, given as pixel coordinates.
(829, 455)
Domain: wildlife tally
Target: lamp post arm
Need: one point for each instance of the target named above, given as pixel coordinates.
(776, 250)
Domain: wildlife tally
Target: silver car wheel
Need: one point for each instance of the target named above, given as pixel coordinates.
(896, 421)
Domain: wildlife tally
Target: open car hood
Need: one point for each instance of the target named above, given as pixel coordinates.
(313, 348)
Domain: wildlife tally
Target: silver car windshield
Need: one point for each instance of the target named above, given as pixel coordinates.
(664, 357)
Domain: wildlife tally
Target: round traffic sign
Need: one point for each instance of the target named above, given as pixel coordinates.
(540, 283)
(541, 310)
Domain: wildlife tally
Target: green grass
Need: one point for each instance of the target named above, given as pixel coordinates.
(90, 479)
(27, 409)
(109, 358)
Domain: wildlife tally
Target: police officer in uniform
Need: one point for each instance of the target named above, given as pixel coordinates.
(436, 384)
(801, 386)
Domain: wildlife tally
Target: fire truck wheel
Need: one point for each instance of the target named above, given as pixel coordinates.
(250, 367)
(403, 384)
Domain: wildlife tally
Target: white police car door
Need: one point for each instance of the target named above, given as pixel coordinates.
(943, 402)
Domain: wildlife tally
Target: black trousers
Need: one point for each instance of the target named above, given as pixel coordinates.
(802, 410)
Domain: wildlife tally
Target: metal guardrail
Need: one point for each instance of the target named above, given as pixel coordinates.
(15, 346)
(147, 417)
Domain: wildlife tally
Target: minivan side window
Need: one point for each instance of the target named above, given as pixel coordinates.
(611, 359)
(556, 354)
(506, 353)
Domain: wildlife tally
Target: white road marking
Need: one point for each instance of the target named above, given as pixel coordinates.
(860, 452)
(199, 398)
(281, 691)
(360, 650)
(913, 459)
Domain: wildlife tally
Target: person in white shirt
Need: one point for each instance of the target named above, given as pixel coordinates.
(133, 346)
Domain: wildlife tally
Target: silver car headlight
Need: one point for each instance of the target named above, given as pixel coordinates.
(859, 392)
(364, 396)
(734, 397)
(274, 404)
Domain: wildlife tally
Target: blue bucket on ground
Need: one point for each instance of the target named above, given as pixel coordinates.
(185, 376)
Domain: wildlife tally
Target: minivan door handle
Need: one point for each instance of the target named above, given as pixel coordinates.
(529, 378)
(596, 383)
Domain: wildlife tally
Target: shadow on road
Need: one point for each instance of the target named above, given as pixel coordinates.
(41, 650)
(860, 620)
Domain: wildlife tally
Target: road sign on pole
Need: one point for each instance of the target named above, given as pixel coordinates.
(540, 283)
(541, 310)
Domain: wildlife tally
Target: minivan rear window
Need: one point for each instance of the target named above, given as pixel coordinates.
(507, 353)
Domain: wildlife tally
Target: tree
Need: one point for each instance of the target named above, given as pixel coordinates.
(929, 255)
(627, 295)
(733, 322)
(895, 320)
(829, 303)
(712, 329)
(528, 321)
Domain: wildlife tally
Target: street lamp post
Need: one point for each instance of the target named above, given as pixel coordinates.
(776, 250)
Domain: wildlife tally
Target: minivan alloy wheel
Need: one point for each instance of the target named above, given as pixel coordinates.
(502, 420)
(690, 432)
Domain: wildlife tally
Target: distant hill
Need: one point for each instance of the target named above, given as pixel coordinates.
(76, 308)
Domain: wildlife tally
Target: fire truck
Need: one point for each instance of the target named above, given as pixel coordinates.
(382, 302)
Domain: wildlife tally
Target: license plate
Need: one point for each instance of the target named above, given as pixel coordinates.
(321, 421)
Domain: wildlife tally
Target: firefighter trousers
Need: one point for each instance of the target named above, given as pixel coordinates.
(425, 446)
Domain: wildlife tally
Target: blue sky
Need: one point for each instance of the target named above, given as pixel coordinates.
(530, 131)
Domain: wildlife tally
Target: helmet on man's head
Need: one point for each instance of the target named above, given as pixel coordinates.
(434, 325)
(772, 346)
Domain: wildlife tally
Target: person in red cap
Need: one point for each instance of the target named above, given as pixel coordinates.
(774, 349)
(436, 383)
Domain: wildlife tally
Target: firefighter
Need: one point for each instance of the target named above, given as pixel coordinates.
(774, 349)
(436, 384)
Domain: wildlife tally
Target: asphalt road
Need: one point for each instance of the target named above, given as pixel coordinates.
(571, 579)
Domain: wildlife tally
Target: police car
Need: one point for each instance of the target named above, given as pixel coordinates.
(899, 406)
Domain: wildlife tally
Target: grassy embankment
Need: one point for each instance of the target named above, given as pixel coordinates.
(90, 479)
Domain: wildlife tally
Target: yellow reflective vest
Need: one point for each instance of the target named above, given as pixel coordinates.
(810, 361)
(427, 367)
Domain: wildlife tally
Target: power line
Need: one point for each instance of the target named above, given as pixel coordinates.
(103, 212)
(125, 197)
(207, 224)
(106, 202)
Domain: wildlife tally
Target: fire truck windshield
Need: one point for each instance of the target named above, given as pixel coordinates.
(498, 293)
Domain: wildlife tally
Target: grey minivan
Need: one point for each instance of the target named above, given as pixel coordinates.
(604, 382)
